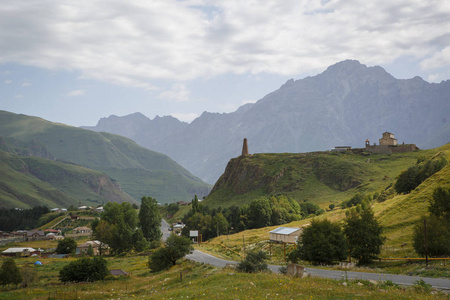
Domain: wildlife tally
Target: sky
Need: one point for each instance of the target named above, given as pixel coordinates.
(75, 62)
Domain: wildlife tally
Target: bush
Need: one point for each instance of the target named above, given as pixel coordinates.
(253, 262)
(9, 273)
(84, 270)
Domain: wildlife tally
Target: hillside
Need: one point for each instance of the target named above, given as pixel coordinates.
(31, 181)
(342, 106)
(319, 177)
(398, 214)
(138, 171)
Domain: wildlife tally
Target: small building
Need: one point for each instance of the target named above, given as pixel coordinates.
(35, 235)
(58, 210)
(52, 236)
(22, 251)
(82, 229)
(83, 248)
(285, 235)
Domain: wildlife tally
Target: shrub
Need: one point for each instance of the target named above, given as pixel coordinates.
(253, 262)
(9, 273)
(84, 270)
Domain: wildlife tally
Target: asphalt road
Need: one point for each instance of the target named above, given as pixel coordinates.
(438, 283)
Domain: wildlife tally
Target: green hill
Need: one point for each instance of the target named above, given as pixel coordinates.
(138, 171)
(319, 177)
(30, 181)
(398, 213)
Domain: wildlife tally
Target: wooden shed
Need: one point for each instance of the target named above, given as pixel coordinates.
(285, 235)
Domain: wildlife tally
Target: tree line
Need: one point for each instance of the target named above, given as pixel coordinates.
(15, 219)
(260, 212)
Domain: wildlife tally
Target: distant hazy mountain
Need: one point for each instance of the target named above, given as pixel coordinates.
(129, 167)
(345, 105)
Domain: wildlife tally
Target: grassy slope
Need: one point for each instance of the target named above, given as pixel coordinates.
(398, 215)
(199, 282)
(108, 153)
(322, 178)
(31, 181)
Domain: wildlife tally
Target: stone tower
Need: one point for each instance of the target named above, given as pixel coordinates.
(245, 147)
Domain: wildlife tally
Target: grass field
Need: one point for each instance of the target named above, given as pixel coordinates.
(189, 280)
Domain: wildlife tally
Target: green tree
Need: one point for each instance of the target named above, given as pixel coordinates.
(254, 262)
(438, 237)
(437, 227)
(84, 270)
(117, 227)
(165, 257)
(150, 219)
(260, 213)
(440, 204)
(10, 273)
(322, 242)
(90, 251)
(364, 235)
(66, 246)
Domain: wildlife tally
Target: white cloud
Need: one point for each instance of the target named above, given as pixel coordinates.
(8, 81)
(133, 43)
(18, 96)
(177, 93)
(185, 117)
(25, 84)
(76, 93)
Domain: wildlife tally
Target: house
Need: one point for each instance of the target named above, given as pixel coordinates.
(58, 210)
(52, 236)
(83, 248)
(35, 235)
(285, 235)
(22, 251)
(83, 229)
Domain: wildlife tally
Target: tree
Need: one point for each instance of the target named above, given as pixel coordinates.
(9, 273)
(260, 213)
(254, 262)
(440, 204)
(165, 257)
(364, 235)
(117, 227)
(150, 219)
(437, 227)
(322, 242)
(84, 270)
(438, 237)
(66, 246)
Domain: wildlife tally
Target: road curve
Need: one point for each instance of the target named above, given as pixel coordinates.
(438, 283)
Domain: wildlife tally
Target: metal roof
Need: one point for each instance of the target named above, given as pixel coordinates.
(18, 250)
(285, 230)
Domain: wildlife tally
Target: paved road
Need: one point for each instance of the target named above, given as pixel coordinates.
(439, 283)
(165, 229)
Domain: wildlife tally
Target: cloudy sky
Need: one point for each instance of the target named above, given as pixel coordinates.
(77, 61)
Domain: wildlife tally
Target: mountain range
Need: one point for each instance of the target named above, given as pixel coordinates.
(345, 105)
(45, 163)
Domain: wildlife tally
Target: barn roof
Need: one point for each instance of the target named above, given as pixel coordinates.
(19, 250)
(285, 230)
